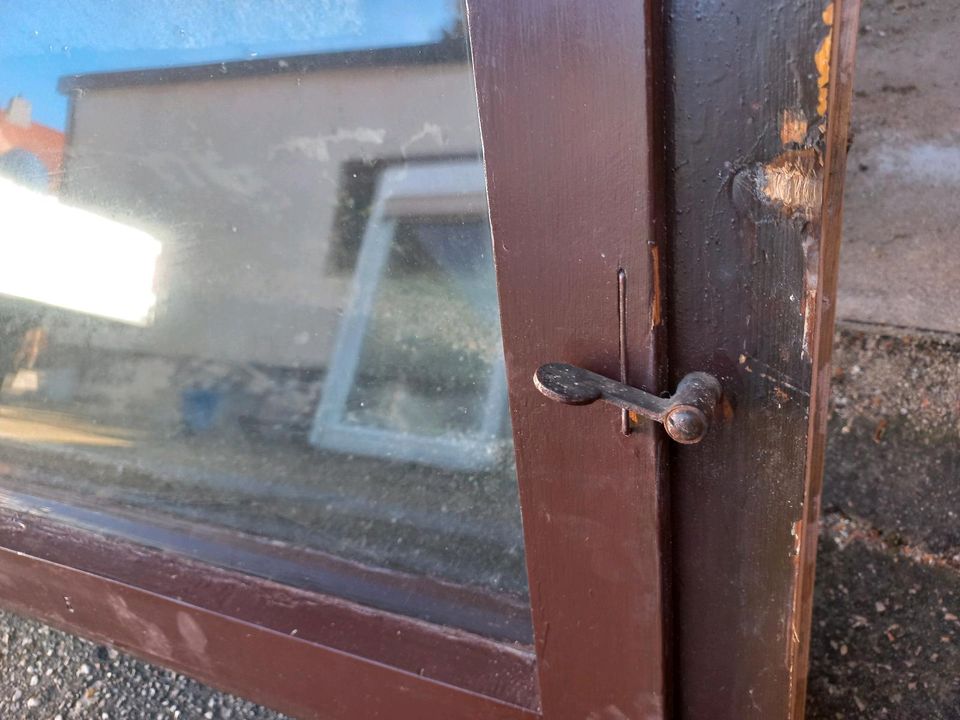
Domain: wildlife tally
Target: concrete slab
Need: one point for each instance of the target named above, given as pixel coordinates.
(899, 263)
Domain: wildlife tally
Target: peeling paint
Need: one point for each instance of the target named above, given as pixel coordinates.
(793, 635)
(656, 313)
(789, 186)
(822, 61)
(811, 281)
(151, 637)
(726, 408)
(193, 636)
(794, 181)
(793, 127)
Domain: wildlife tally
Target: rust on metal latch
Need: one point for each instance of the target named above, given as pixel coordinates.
(686, 415)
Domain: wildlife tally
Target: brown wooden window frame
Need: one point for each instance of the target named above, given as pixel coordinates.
(574, 178)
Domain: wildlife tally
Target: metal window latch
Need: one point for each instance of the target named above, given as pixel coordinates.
(685, 416)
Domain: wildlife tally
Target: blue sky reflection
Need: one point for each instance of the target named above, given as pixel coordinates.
(43, 40)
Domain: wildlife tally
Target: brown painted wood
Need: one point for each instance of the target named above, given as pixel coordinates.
(563, 88)
(477, 611)
(577, 192)
(751, 270)
(845, 29)
(293, 675)
(594, 527)
(500, 670)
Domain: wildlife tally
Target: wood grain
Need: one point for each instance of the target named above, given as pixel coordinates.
(751, 267)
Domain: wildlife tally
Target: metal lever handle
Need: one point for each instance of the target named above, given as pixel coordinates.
(685, 416)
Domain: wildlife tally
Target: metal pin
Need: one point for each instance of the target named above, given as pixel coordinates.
(622, 319)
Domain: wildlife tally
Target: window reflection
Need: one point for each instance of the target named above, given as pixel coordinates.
(397, 386)
(257, 292)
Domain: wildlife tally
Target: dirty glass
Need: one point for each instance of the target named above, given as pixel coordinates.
(247, 298)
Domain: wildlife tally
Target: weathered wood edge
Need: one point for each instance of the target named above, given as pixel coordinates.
(842, 60)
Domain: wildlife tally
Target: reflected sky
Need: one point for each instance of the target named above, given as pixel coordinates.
(42, 40)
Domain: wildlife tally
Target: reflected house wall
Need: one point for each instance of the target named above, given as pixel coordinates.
(237, 169)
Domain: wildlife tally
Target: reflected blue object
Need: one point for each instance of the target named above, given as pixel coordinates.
(199, 409)
(24, 168)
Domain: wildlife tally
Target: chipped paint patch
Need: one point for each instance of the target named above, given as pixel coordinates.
(811, 282)
(793, 127)
(822, 60)
(793, 181)
(192, 635)
(656, 316)
(151, 637)
(796, 532)
(796, 555)
(789, 186)
(726, 408)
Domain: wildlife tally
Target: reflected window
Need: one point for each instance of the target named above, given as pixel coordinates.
(248, 308)
(417, 371)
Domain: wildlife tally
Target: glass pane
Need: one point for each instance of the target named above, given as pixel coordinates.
(442, 269)
(246, 282)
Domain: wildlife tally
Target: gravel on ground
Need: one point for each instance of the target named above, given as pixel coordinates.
(46, 674)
